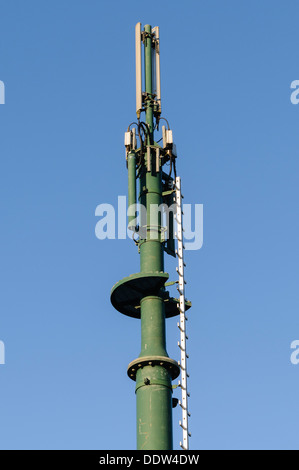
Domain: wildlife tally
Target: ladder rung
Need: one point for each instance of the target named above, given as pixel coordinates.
(183, 427)
(183, 368)
(178, 255)
(183, 407)
(179, 273)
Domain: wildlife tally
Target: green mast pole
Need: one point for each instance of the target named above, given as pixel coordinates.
(153, 383)
(143, 295)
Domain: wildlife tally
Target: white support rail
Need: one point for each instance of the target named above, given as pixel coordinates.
(182, 324)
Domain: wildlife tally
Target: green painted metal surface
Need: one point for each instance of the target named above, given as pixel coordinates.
(154, 409)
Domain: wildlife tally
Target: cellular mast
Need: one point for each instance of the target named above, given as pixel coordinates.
(144, 295)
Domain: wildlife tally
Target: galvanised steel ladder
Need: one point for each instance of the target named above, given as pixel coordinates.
(182, 323)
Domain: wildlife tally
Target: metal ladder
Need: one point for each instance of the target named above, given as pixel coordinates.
(182, 323)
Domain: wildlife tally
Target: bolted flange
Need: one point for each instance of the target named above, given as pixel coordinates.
(170, 364)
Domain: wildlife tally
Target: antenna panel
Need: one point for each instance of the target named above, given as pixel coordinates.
(138, 69)
(155, 30)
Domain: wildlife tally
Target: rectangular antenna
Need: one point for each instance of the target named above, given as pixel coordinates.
(138, 69)
(155, 30)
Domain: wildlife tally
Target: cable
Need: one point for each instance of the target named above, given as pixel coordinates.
(164, 119)
(170, 164)
(132, 125)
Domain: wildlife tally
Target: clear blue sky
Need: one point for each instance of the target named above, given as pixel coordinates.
(226, 68)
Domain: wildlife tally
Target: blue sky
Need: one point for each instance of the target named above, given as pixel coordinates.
(226, 70)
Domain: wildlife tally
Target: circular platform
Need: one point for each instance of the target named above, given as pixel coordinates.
(127, 294)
